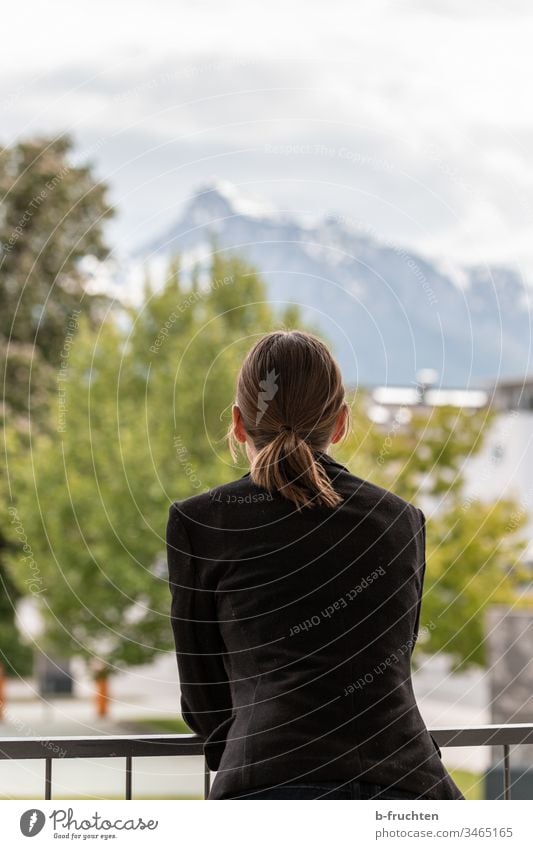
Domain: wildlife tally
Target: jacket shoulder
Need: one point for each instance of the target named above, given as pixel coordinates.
(384, 500)
(195, 506)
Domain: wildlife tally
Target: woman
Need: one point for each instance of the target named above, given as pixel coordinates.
(296, 594)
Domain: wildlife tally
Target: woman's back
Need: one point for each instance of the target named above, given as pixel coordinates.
(297, 667)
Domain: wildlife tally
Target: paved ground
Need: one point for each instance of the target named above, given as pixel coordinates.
(153, 691)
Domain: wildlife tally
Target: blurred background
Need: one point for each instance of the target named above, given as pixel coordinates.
(176, 180)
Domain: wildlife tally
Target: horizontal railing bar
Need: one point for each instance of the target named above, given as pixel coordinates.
(159, 745)
(149, 745)
(485, 735)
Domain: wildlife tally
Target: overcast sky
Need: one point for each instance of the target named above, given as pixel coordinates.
(413, 119)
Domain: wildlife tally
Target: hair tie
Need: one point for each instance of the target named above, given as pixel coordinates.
(286, 428)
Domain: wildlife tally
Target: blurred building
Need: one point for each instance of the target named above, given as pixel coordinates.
(503, 466)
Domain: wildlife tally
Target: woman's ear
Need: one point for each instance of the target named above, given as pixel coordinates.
(238, 427)
(340, 424)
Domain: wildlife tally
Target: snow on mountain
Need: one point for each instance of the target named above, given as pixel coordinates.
(386, 311)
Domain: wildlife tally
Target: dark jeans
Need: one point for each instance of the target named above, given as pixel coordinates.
(327, 790)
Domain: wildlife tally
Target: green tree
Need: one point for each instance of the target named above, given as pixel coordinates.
(51, 220)
(52, 216)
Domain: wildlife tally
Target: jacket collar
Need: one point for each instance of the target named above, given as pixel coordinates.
(326, 461)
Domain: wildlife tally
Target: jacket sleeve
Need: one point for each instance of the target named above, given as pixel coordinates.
(420, 570)
(205, 691)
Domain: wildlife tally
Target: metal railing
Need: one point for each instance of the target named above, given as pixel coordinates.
(179, 745)
(516, 734)
(122, 746)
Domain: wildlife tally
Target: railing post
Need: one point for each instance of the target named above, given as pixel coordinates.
(506, 773)
(128, 776)
(207, 780)
(48, 779)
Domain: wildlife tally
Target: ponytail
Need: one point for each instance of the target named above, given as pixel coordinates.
(287, 465)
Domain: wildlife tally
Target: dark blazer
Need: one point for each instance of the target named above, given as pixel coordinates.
(294, 633)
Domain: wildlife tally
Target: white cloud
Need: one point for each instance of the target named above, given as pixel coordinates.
(431, 98)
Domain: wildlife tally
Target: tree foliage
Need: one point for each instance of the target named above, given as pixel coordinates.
(52, 216)
(52, 212)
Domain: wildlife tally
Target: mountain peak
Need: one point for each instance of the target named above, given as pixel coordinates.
(470, 323)
(222, 198)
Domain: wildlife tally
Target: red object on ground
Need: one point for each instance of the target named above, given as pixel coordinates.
(102, 696)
